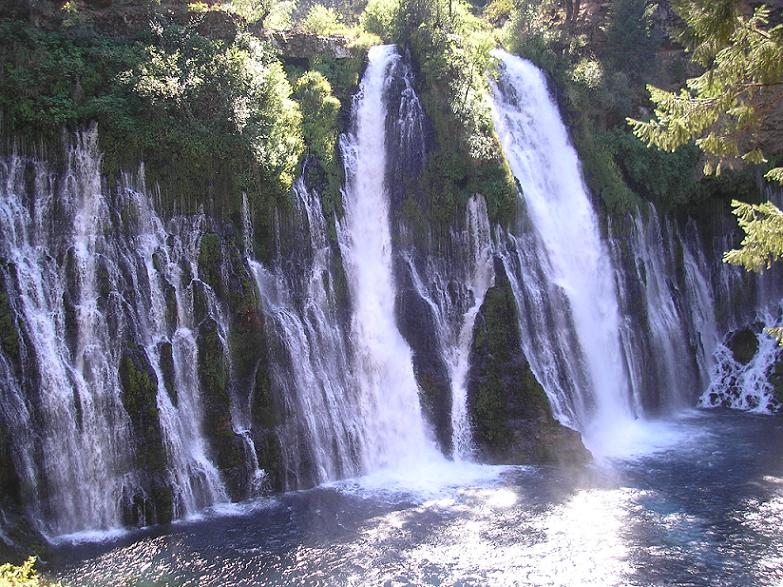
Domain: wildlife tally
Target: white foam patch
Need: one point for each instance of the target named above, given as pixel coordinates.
(638, 438)
(423, 481)
(90, 536)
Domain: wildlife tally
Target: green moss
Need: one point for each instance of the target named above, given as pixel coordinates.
(503, 387)
(270, 459)
(214, 378)
(168, 371)
(163, 500)
(139, 397)
(265, 412)
(9, 481)
(451, 175)
(210, 260)
(601, 172)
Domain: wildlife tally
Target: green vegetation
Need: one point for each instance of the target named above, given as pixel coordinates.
(597, 63)
(205, 115)
(23, 575)
(731, 112)
(451, 47)
(320, 111)
(763, 242)
(321, 20)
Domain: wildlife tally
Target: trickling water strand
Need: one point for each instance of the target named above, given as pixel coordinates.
(247, 226)
(542, 309)
(313, 376)
(88, 289)
(700, 302)
(410, 121)
(536, 145)
(159, 261)
(454, 290)
(482, 278)
(656, 309)
(388, 392)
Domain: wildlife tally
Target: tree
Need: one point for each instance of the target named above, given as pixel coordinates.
(572, 11)
(733, 111)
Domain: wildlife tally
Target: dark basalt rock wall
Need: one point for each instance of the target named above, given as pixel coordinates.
(511, 417)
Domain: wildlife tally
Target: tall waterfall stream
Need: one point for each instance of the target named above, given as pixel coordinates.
(120, 332)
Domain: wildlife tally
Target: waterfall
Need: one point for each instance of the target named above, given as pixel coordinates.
(381, 359)
(98, 288)
(582, 324)
(666, 318)
(453, 287)
(747, 383)
(313, 377)
(170, 264)
(623, 328)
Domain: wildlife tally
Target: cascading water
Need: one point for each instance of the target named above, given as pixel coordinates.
(746, 383)
(665, 316)
(619, 330)
(679, 306)
(92, 302)
(381, 359)
(314, 379)
(163, 263)
(581, 325)
(454, 289)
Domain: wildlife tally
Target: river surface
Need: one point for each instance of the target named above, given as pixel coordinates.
(694, 501)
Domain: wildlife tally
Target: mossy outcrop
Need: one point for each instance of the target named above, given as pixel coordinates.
(139, 397)
(417, 325)
(9, 341)
(510, 413)
(214, 378)
(744, 345)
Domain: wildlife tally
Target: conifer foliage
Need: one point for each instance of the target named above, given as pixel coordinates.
(733, 111)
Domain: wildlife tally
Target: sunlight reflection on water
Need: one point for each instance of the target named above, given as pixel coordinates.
(704, 512)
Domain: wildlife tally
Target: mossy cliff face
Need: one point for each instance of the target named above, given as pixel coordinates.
(510, 413)
(417, 325)
(214, 377)
(230, 367)
(139, 397)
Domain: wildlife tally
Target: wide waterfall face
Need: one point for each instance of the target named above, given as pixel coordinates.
(314, 378)
(670, 311)
(381, 359)
(103, 312)
(626, 328)
(576, 310)
(150, 369)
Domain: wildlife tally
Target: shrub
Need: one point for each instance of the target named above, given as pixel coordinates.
(321, 20)
(23, 575)
(381, 18)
